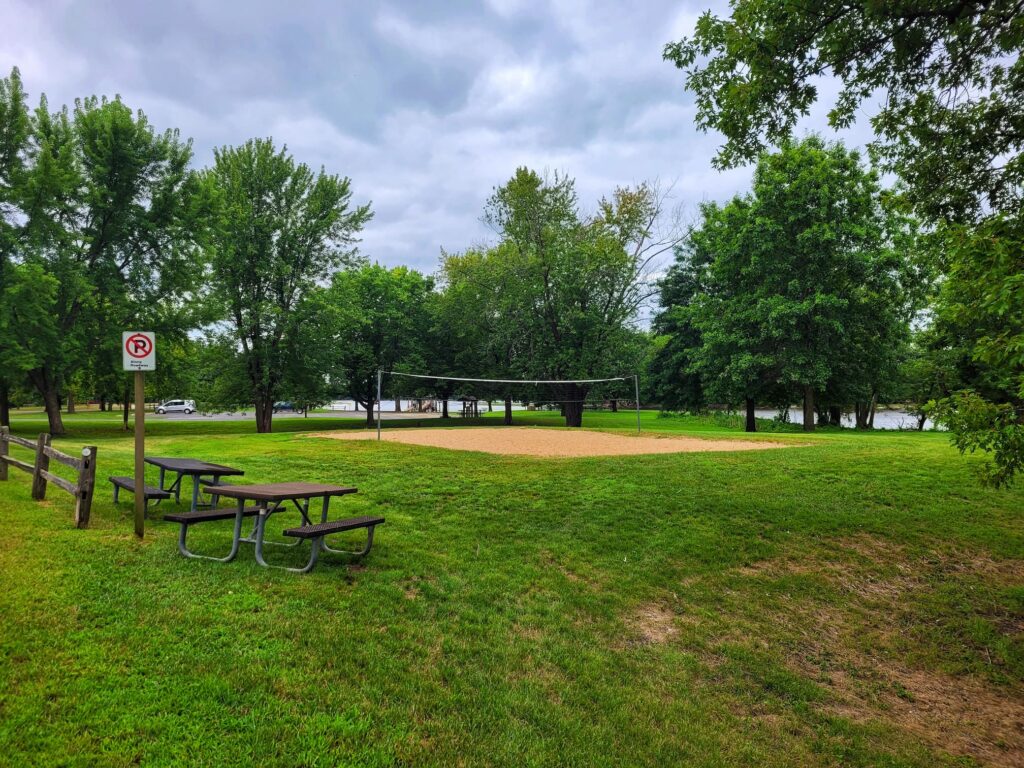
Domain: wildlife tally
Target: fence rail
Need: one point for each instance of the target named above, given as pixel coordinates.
(85, 466)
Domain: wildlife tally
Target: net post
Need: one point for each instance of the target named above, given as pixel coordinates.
(380, 375)
(636, 385)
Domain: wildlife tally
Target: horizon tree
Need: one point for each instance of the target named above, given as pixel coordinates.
(98, 201)
(582, 277)
(279, 229)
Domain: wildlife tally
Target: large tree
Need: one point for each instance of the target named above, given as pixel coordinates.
(945, 82)
(279, 229)
(105, 208)
(14, 132)
(804, 283)
(380, 322)
(573, 283)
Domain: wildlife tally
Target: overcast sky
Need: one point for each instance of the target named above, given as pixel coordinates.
(426, 106)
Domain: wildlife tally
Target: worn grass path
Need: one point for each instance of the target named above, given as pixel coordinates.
(856, 602)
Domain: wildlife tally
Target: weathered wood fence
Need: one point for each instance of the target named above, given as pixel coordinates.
(41, 474)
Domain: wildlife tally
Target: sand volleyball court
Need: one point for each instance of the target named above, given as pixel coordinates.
(554, 443)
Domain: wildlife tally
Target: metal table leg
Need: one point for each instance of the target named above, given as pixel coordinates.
(236, 538)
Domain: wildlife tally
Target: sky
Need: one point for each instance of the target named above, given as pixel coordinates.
(426, 106)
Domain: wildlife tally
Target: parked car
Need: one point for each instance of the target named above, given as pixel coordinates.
(284, 405)
(177, 406)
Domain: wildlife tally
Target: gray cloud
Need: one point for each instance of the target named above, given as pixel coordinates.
(427, 106)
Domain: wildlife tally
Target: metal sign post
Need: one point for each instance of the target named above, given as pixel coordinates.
(138, 354)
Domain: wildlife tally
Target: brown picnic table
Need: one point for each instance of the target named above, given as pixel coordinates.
(194, 468)
(268, 499)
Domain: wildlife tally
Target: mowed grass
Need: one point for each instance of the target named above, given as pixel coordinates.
(855, 600)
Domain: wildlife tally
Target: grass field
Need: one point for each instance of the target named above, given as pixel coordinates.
(858, 601)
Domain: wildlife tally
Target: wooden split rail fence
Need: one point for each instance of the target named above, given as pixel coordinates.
(85, 466)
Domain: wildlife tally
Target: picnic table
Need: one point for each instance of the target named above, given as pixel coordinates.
(269, 499)
(195, 469)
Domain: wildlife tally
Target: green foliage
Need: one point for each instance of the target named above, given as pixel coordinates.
(106, 209)
(982, 296)
(804, 285)
(381, 320)
(570, 285)
(981, 314)
(949, 73)
(278, 230)
(977, 424)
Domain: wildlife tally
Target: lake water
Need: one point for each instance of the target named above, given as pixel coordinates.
(889, 418)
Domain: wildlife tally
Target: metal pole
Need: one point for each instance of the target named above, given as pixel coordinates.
(636, 384)
(380, 375)
(140, 453)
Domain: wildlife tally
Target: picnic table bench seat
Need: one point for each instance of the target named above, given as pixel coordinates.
(128, 483)
(332, 526)
(205, 516)
(317, 531)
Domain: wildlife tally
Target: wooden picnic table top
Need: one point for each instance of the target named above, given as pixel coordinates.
(191, 466)
(281, 491)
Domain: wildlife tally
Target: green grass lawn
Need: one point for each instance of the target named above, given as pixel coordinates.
(855, 600)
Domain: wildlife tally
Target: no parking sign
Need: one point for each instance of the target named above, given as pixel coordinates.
(138, 351)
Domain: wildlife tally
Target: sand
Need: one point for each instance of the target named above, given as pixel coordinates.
(552, 443)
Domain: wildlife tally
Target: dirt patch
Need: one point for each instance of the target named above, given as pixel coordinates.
(960, 714)
(957, 714)
(551, 443)
(653, 624)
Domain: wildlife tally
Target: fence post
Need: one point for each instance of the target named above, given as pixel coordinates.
(86, 483)
(4, 442)
(42, 464)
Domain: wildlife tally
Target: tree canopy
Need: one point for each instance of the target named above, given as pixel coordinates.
(947, 75)
(278, 229)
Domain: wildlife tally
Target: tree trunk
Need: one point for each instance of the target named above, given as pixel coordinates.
(615, 406)
(921, 419)
(751, 424)
(490, 406)
(398, 404)
(444, 407)
(574, 414)
(356, 404)
(5, 404)
(508, 410)
(808, 409)
(370, 406)
(871, 411)
(860, 417)
(47, 387)
(835, 416)
(71, 402)
(125, 406)
(264, 414)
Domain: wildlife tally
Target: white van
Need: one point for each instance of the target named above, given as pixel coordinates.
(177, 406)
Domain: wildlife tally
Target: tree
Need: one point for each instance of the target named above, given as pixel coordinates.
(14, 133)
(279, 229)
(950, 79)
(675, 381)
(107, 209)
(948, 71)
(380, 322)
(476, 329)
(572, 284)
(802, 285)
(981, 308)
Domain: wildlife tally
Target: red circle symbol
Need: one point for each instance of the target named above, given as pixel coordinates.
(138, 345)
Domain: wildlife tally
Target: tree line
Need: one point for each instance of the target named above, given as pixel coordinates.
(942, 84)
(817, 286)
(249, 272)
